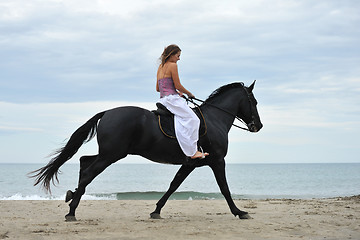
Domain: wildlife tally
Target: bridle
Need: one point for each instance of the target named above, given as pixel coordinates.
(249, 125)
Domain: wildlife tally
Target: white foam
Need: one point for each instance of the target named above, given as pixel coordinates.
(19, 196)
(91, 197)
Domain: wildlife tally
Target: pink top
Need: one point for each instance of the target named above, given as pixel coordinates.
(166, 87)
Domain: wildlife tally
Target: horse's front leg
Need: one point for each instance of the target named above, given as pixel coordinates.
(219, 172)
(180, 176)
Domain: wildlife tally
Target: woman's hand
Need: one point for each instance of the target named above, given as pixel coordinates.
(190, 95)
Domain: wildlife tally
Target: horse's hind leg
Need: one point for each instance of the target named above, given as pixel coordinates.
(87, 175)
(85, 162)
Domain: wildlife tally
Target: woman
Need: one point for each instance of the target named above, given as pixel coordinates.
(168, 84)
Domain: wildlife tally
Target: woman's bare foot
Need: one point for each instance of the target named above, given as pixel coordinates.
(200, 155)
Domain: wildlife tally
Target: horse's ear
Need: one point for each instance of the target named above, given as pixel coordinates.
(252, 86)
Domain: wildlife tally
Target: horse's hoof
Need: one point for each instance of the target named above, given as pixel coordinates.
(69, 218)
(245, 216)
(155, 216)
(69, 195)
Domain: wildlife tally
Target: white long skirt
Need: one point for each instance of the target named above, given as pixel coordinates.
(186, 123)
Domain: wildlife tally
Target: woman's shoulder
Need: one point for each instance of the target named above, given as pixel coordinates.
(172, 65)
(167, 65)
(167, 70)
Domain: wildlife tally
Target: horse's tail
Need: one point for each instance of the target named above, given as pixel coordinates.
(83, 134)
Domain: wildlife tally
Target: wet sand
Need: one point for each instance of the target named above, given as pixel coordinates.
(337, 218)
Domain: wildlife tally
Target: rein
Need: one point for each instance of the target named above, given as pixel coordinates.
(202, 101)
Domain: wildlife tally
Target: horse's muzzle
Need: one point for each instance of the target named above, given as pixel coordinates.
(253, 127)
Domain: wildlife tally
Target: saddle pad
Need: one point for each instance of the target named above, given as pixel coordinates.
(166, 124)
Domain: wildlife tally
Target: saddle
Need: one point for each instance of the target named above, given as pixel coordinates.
(166, 121)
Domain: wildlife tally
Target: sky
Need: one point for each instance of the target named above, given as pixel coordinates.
(63, 61)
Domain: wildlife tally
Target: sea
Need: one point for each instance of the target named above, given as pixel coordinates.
(150, 182)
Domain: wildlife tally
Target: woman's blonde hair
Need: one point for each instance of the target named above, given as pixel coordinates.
(168, 52)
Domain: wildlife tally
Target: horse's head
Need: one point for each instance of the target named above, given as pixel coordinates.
(238, 101)
(248, 110)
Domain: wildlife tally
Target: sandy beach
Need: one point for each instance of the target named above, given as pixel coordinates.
(337, 218)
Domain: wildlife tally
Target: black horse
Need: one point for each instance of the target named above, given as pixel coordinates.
(133, 130)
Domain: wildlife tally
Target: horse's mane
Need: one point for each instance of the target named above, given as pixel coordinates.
(224, 88)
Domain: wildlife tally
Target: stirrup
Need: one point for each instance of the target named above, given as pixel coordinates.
(201, 149)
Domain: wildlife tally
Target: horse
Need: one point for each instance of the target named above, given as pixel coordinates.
(134, 130)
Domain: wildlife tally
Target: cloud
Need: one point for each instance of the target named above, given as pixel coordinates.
(17, 129)
(105, 44)
(82, 56)
(54, 118)
(37, 129)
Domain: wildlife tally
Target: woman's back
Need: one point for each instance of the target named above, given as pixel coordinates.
(165, 71)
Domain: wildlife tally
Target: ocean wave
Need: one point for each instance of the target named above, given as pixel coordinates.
(20, 196)
(186, 195)
(152, 195)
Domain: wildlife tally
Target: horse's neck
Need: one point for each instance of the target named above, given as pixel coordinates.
(223, 110)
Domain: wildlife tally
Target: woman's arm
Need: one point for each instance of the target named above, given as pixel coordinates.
(157, 81)
(175, 76)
